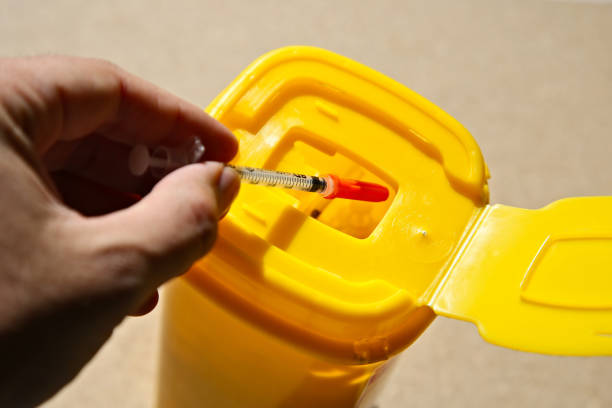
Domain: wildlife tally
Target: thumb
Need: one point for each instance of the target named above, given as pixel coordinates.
(176, 223)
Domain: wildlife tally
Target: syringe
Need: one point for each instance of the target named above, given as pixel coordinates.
(329, 186)
(165, 159)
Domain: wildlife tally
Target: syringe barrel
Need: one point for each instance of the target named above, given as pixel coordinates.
(281, 179)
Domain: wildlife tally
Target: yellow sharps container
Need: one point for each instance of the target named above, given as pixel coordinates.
(304, 301)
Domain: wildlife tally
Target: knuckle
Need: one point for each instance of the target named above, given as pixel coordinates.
(187, 252)
(195, 239)
(124, 265)
(200, 213)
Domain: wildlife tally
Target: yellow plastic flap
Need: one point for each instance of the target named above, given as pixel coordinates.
(537, 280)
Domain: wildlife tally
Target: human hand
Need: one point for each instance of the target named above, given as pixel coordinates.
(78, 257)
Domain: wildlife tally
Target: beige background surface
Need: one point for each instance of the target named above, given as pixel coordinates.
(531, 80)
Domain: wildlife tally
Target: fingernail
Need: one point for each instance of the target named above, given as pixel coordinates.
(228, 185)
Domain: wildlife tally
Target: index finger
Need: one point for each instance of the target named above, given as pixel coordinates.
(64, 98)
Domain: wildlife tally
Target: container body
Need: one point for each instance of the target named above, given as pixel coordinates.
(211, 358)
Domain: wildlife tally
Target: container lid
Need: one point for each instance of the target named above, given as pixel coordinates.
(359, 281)
(536, 280)
(343, 278)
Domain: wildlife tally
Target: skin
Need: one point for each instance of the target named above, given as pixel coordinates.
(79, 251)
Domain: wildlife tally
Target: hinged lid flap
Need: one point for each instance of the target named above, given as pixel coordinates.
(537, 280)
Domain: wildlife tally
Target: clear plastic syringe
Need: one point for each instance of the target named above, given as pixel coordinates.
(165, 159)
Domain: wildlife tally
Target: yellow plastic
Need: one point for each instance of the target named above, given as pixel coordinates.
(537, 280)
(303, 301)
